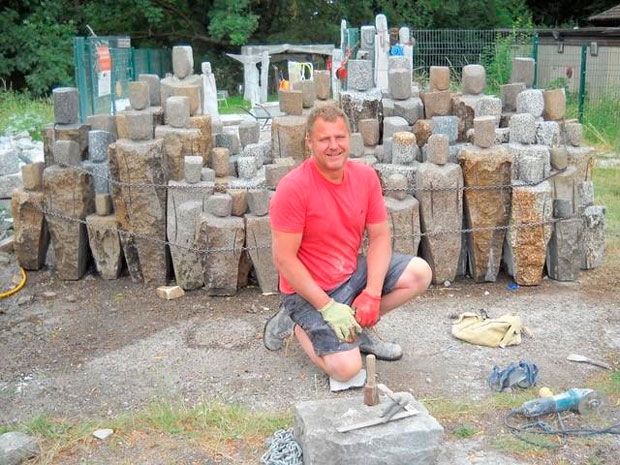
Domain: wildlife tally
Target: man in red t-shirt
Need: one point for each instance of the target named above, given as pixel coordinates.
(331, 293)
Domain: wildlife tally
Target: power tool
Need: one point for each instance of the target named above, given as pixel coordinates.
(575, 399)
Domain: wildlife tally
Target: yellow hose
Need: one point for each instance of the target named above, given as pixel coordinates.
(16, 288)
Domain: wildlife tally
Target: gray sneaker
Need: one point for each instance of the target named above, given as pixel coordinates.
(371, 344)
(277, 328)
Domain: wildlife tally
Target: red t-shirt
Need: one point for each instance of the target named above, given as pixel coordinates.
(332, 218)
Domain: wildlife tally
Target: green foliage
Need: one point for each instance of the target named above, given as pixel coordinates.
(20, 112)
(464, 432)
(231, 19)
(37, 45)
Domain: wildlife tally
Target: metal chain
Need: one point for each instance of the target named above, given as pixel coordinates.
(150, 238)
(283, 449)
(224, 188)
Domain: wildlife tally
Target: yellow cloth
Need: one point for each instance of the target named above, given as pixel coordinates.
(492, 332)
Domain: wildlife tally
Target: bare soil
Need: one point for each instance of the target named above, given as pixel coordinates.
(99, 348)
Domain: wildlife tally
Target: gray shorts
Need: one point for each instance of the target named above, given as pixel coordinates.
(323, 338)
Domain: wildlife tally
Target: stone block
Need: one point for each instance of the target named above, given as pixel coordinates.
(559, 157)
(360, 75)
(179, 142)
(67, 153)
(439, 191)
(385, 170)
(31, 236)
(399, 82)
(508, 93)
(315, 430)
(308, 91)
(322, 84)
(464, 108)
(177, 111)
(548, 133)
(221, 269)
(388, 107)
(100, 176)
(404, 221)
(246, 167)
(32, 176)
(267, 151)
(356, 145)
(103, 122)
(530, 163)
(74, 132)
(474, 79)
(411, 109)
(585, 195)
(566, 189)
(17, 447)
(439, 78)
(239, 201)
(448, 125)
(502, 135)
(207, 175)
(204, 145)
(169, 292)
(255, 151)
(103, 204)
(66, 105)
(438, 149)
(139, 125)
(69, 193)
(105, 245)
(219, 205)
(484, 131)
(98, 143)
(398, 62)
(190, 87)
(359, 105)
(182, 61)
(369, 129)
(523, 128)
(531, 101)
(423, 128)
(523, 71)
(563, 251)
(592, 245)
(436, 103)
(486, 208)
(393, 124)
(573, 133)
(581, 158)
(258, 201)
(139, 95)
(192, 168)
(258, 242)
(249, 132)
(404, 148)
(489, 106)
(526, 245)
(288, 138)
(275, 172)
(217, 127)
(396, 186)
(181, 232)
(141, 211)
(291, 101)
(555, 104)
(152, 81)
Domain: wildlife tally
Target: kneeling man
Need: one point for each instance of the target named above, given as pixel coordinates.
(333, 295)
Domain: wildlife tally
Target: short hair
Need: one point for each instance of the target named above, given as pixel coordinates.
(328, 112)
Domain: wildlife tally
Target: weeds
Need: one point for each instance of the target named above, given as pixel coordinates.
(464, 432)
(20, 112)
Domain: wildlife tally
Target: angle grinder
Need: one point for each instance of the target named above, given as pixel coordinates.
(575, 399)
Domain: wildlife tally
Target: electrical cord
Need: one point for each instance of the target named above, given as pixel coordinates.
(544, 428)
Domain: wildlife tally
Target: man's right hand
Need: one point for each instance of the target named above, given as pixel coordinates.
(341, 319)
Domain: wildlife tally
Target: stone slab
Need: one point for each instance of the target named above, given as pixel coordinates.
(30, 231)
(258, 241)
(105, 245)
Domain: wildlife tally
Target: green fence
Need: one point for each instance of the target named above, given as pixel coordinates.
(104, 66)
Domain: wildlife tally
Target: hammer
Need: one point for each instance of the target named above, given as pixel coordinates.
(371, 394)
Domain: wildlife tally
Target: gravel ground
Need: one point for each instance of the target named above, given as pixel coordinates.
(98, 348)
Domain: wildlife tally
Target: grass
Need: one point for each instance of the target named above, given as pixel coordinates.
(464, 432)
(218, 428)
(20, 112)
(234, 102)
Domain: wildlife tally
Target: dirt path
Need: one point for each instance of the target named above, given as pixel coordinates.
(99, 348)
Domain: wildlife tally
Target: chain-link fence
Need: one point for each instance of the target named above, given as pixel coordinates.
(104, 66)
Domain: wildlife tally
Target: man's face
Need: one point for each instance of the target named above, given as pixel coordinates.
(329, 143)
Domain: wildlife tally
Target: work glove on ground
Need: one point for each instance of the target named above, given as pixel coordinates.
(366, 309)
(341, 320)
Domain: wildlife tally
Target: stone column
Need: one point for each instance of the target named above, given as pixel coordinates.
(403, 215)
(29, 224)
(592, 245)
(258, 240)
(564, 250)
(382, 50)
(288, 137)
(439, 190)
(221, 237)
(336, 63)
(486, 209)
(104, 238)
(209, 91)
(362, 105)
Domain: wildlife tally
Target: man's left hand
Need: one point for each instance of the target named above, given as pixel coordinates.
(366, 308)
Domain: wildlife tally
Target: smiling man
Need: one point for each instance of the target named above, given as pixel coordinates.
(333, 295)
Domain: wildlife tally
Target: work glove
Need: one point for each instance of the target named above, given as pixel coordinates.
(341, 320)
(366, 309)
